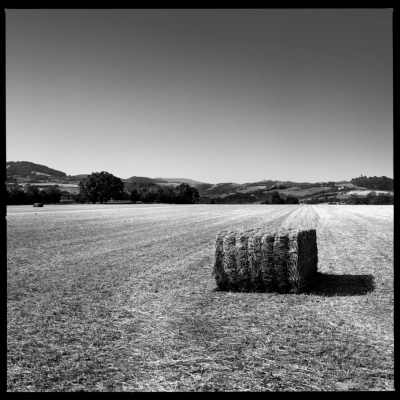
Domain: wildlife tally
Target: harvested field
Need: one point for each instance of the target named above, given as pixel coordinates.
(122, 298)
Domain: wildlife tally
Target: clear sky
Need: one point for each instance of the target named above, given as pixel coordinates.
(212, 95)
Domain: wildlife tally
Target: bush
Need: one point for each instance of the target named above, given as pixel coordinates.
(291, 200)
(276, 199)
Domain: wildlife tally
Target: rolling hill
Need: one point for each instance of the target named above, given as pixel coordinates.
(25, 168)
(190, 182)
(143, 179)
(225, 192)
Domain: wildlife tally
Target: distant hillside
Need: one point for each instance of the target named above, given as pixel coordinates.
(260, 191)
(182, 180)
(270, 182)
(78, 177)
(236, 198)
(25, 168)
(143, 179)
(230, 188)
(218, 189)
(225, 192)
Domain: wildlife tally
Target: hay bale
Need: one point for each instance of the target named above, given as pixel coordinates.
(281, 246)
(242, 260)
(262, 260)
(255, 260)
(218, 270)
(293, 274)
(267, 263)
(229, 261)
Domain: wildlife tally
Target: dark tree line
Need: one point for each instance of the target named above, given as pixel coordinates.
(277, 199)
(103, 186)
(182, 194)
(371, 199)
(16, 196)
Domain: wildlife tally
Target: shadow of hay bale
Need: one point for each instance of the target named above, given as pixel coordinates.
(341, 285)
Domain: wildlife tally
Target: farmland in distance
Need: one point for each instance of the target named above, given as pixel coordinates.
(121, 298)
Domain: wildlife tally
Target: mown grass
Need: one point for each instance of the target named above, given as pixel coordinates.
(121, 298)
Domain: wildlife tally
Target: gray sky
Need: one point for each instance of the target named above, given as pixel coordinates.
(211, 95)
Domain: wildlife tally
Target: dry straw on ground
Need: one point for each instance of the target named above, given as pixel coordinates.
(242, 261)
(262, 260)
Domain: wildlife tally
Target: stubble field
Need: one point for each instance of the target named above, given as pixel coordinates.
(121, 298)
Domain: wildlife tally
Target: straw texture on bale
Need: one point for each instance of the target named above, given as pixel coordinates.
(262, 260)
(242, 261)
(219, 274)
(267, 263)
(229, 260)
(254, 245)
(281, 245)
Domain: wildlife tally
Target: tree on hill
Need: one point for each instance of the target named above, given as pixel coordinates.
(101, 186)
(374, 183)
